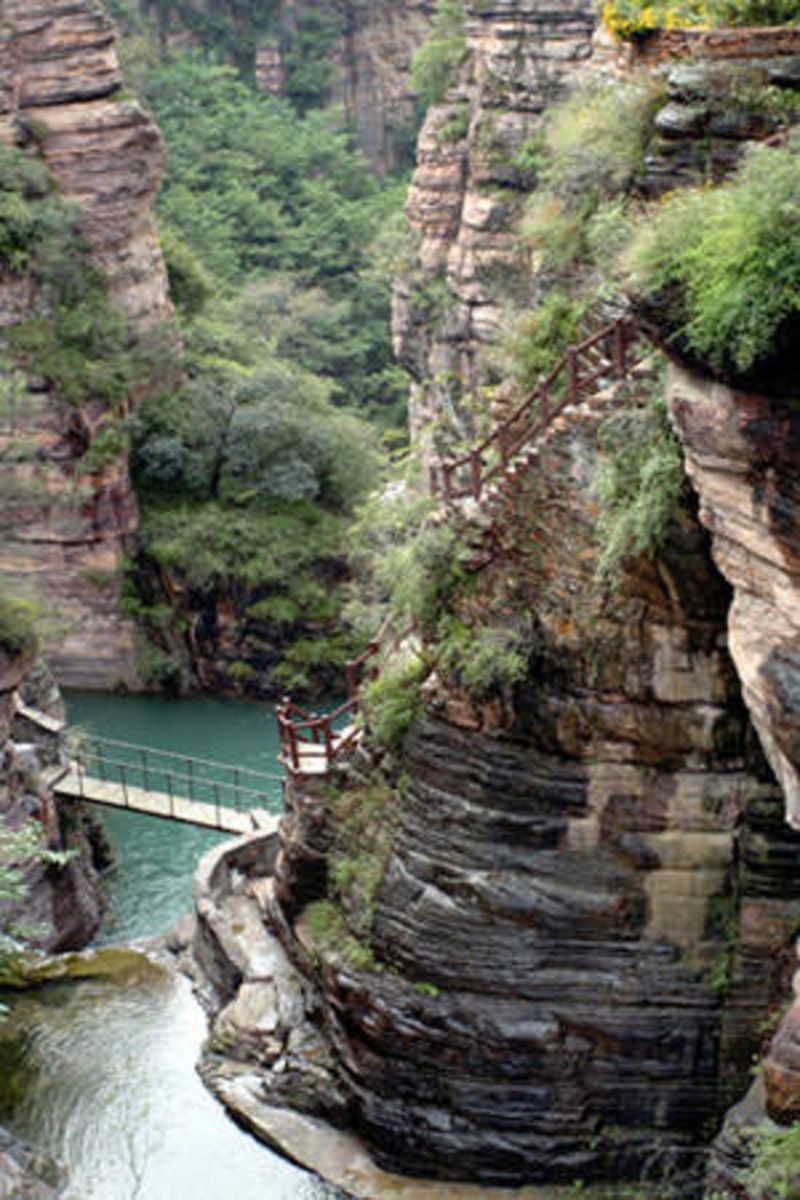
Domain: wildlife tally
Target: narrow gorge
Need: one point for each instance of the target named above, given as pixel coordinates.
(531, 920)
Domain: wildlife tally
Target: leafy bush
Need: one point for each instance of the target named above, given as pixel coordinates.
(638, 18)
(72, 335)
(328, 927)
(20, 849)
(723, 265)
(435, 64)
(595, 141)
(268, 436)
(392, 702)
(486, 659)
(19, 619)
(190, 285)
(543, 334)
(775, 1170)
(422, 574)
(640, 485)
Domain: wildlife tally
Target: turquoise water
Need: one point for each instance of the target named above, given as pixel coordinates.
(106, 1069)
(151, 885)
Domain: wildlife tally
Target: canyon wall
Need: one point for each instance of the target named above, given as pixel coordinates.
(63, 101)
(584, 890)
(467, 261)
(62, 903)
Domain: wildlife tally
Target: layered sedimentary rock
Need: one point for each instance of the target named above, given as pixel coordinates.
(374, 55)
(468, 261)
(62, 903)
(62, 100)
(588, 894)
(742, 455)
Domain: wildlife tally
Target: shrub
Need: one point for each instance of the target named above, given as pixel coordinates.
(72, 335)
(723, 264)
(542, 335)
(637, 18)
(19, 849)
(19, 619)
(328, 927)
(594, 142)
(422, 574)
(486, 659)
(640, 484)
(775, 1169)
(392, 702)
(190, 285)
(436, 62)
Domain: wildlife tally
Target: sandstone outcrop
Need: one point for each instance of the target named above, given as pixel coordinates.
(62, 99)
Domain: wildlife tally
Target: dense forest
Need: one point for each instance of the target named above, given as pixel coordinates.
(270, 223)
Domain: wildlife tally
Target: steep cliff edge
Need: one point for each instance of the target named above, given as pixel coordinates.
(538, 942)
(62, 903)
(63, 102)
(742, 455)
(536, 939)
(468, 261)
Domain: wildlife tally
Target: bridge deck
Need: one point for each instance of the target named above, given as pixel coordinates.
(77, 786)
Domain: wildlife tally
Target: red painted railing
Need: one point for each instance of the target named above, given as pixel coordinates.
(308, 738)
(577, 371)
(303, 734)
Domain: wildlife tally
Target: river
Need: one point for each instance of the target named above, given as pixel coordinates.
(100, 1074)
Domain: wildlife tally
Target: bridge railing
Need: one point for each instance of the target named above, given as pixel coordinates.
(608, 351)
(220, 785)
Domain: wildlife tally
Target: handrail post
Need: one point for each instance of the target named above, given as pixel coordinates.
(145, 770)
(124, 779)
(475, 474)
(328, 735)
(352, 679)
(217, 805)
(169, 793)
(544, 403)
(572, 375)
(190, 773)
(503, 440)
(620, 346)
(447, 478)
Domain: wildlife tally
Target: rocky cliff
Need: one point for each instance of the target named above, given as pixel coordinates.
(582, 894)
(468, 262)
(62, 903)
(540, 940)
(63, 101)
(742, 451)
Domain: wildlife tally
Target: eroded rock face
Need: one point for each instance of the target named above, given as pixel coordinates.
(374, 55)
(590, 894)
(466, 195)
(60, 90)
(62, 903)
(742, 455)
